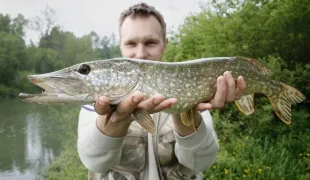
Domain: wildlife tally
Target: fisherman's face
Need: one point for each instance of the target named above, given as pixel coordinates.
(142, 38)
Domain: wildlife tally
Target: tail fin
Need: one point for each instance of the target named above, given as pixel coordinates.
(282, 103)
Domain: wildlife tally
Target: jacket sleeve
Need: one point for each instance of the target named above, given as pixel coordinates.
(97, 151)
(198, 151)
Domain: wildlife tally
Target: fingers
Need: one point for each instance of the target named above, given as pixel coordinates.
(241, 85)
(125, 108)
(128, 105)
(165, 104)
(203, 106)
(220, 96)
(152, 102)
(157, 103)
(102, 105)
(227, 91)
(230, 85)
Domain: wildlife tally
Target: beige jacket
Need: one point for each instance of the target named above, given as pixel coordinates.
(142, 156)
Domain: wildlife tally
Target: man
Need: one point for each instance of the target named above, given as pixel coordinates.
(122, 149)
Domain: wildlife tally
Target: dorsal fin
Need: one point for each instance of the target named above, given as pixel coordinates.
(260, 66)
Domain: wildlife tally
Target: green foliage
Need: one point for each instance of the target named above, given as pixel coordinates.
(261, 158)
(12, 52)
(13, 26)
(21, 83)
(4, 90)
(67, 166)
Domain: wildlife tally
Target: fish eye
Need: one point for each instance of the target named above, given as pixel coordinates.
(84, 69)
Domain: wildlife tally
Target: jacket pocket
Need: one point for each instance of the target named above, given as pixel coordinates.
(134, 150)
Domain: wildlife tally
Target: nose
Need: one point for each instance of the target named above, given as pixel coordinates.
(141, 52)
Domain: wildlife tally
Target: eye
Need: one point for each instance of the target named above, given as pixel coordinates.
(130, 43)
(84, 69)
(150, 43)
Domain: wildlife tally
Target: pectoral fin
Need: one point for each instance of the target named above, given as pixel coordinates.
(145, 120)
(188, 118)
(193, 119)
(246, 104)
(108, 116)
(185, 118)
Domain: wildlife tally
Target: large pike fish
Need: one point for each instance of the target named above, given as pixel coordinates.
(190, 82)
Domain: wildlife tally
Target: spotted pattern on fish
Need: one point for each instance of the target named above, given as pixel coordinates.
(191, 82)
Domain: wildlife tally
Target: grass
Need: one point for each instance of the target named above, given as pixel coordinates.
(258, 158)
(67, 166)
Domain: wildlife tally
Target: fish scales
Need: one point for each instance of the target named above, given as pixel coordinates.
(191, 82)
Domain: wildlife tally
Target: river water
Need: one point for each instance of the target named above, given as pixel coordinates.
(29, 140)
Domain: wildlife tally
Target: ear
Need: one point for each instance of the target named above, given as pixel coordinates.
(165, 43)
(119, 46)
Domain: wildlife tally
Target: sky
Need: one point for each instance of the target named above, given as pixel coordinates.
(83, 16)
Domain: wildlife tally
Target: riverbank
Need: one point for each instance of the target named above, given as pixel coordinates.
(67, 165)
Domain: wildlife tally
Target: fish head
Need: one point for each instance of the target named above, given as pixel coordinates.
(84, 82)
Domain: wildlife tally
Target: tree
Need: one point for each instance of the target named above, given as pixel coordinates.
(12, 51)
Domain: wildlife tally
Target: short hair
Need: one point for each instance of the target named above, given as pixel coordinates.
(144, 10)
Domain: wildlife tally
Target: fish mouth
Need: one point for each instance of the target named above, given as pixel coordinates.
(41, 80)
(35, 79)
(44, 81)
(25, 96)
(56, 98)
(53, 91)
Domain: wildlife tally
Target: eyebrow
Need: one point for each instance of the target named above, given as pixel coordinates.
(147, 38)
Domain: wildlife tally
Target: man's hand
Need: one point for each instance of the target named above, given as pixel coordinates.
(120, 119)
(227, 91)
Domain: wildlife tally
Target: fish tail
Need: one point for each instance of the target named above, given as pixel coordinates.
(282, 102)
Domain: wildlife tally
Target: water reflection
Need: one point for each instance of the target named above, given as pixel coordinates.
(27, 140)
